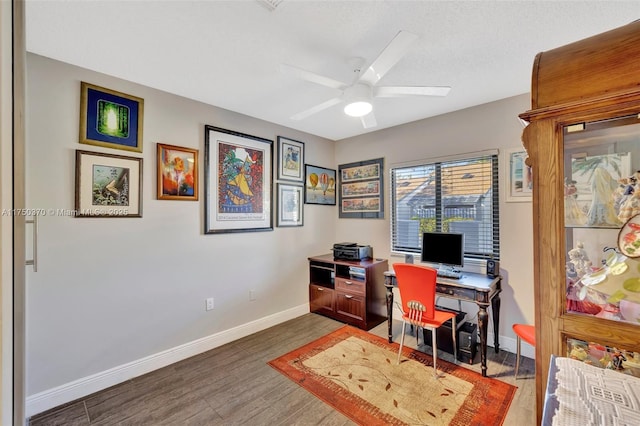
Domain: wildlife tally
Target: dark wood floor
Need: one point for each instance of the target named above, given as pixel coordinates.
(233, 385)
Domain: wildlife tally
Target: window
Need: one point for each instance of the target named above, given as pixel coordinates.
(459, 195)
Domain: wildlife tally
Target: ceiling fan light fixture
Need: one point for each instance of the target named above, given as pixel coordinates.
(358, 98)
(358, 108)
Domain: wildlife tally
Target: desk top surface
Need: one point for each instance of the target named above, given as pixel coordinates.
(468, 279)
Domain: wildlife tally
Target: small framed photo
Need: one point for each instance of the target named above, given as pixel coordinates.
(110, 119)
(290, 205)
(320, 185)
(290, 159)
(519, 176)
(177, 173)
(108, 185)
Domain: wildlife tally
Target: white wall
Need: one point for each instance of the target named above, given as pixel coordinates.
(490, 126)
(111, 292)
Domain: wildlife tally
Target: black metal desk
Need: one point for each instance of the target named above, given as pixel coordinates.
(471, 287)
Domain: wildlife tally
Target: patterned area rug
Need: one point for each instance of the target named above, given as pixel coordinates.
(356, 373)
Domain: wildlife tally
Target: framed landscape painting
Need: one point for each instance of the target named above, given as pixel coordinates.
(177, 173)
(320, 185)
(108, 185)
(110, 119)
(238, 176)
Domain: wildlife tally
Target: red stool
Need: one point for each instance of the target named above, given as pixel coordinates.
(528, 334)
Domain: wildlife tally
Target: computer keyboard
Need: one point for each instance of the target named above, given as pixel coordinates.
(448, 273)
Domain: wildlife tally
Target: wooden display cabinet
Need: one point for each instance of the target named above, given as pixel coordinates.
(349, 291)
(584, 133)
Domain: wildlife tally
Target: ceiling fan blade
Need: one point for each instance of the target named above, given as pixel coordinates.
(391, 54)
(312, 77)
(369, 120)
(315, 109)
(406, 91)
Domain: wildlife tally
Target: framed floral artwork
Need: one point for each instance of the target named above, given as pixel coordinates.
(177, 173)
(238, 176)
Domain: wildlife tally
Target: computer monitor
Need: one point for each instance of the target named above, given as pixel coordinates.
(446, 249)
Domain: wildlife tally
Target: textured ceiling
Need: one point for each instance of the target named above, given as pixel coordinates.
(228, 53)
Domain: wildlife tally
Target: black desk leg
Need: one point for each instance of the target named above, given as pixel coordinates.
(390, 313)
(482, 326)
(495, 310)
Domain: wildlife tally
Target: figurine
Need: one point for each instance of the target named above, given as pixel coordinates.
(616, 361)
(573, 214)
(580, 260)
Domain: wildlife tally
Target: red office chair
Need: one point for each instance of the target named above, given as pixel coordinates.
(528, 334)
(417, 285)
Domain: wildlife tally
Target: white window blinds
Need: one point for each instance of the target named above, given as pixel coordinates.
(459, 196)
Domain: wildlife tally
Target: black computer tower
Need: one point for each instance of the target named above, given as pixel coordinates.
(443, 336)
(467, 342)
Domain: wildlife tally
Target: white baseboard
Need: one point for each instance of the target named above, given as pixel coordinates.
(68, 392)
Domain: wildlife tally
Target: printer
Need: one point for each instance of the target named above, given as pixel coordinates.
(351, 251)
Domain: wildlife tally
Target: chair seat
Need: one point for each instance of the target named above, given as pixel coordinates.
(439, 318)
(526, 333)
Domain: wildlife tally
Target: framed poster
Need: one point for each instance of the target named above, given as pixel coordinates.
(177, 173)
(290, 159)
(238, 176)
(108, 185)
(290, 205)
(110, 119)
(361, 190)
(320, 185)
(519, 176)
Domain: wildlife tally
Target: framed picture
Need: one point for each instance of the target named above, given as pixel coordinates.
(320, 185)
(108, 185)
(519, 176)
(290, 205)
(110, 119)
(290, 159)
(238, 176)
(177, 173)
(361, 190)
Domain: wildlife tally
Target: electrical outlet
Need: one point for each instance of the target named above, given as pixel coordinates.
(252, 295)
(209, 303)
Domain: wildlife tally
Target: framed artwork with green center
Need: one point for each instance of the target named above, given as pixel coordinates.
(110, 119)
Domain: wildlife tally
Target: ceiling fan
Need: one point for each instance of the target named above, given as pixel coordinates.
(358, 96)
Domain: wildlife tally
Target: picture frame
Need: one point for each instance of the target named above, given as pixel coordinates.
(107, 185)
(238, 182)
(320, 185)
(290, 159)
(110, 119)
(177, 173)
(361, 189)
(290, 205)
(519, 187)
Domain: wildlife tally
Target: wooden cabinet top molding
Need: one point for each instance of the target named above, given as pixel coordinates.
(600, 66)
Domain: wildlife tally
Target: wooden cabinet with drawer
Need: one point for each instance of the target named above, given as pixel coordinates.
(348, 291)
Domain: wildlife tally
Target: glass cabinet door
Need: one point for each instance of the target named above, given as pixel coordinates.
(602, 221)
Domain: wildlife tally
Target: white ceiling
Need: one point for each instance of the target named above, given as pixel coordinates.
(227, 53)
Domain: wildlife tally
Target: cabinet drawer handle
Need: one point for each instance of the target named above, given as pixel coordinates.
(348, 282)
(319, 288)
(348, 296)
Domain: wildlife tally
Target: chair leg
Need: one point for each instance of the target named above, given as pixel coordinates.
(454, 330)
(517, 356)
(435, 350)
(401, 341)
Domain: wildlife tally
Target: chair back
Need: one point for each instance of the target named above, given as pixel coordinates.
(417, 284)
